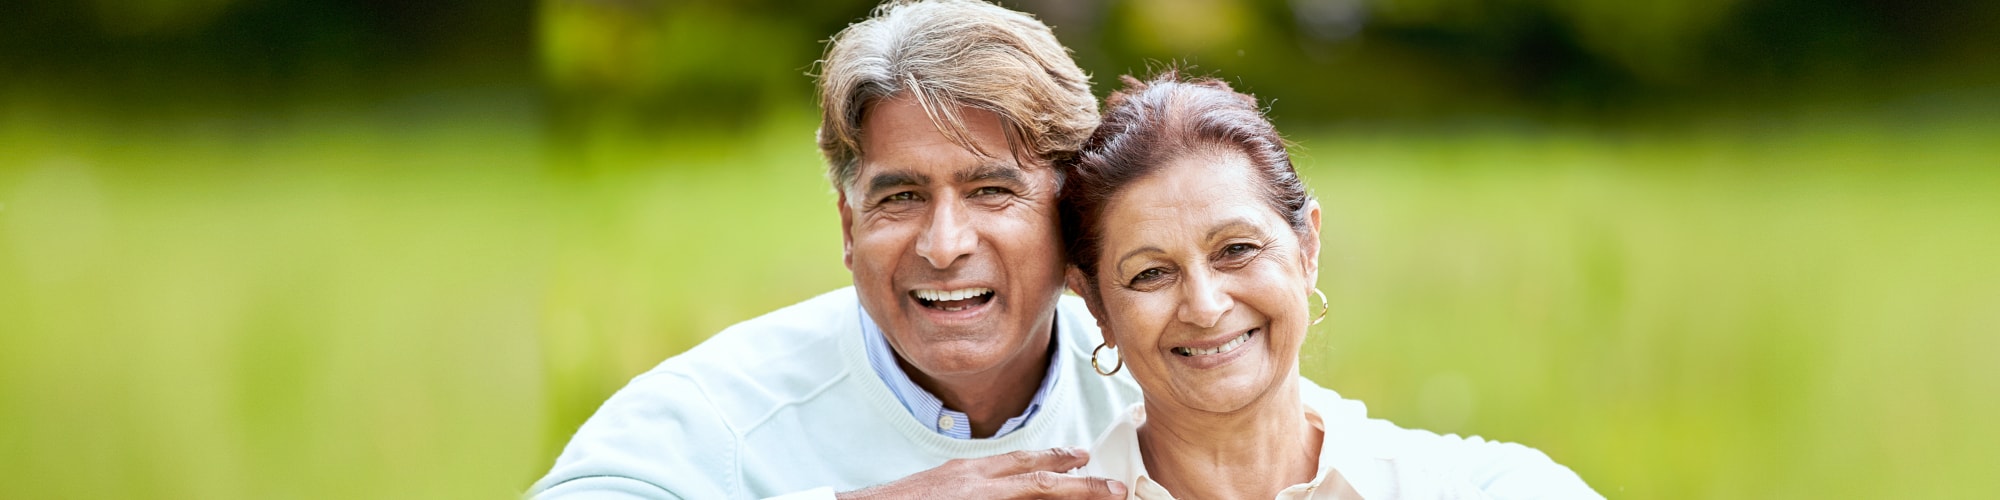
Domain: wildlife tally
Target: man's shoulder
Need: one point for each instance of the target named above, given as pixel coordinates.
(772, 360)
(679, 428)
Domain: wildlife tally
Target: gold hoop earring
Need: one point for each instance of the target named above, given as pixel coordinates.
(1100, 369)
(1323, 305)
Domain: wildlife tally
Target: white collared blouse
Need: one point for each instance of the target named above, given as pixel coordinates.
(1373, 459)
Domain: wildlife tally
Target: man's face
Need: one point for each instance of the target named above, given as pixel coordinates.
(956, 256)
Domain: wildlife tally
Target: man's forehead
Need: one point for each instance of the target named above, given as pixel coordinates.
(903, 133)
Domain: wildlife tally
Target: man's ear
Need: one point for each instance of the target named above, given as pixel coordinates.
(1310, 243)
(1080, 285)
(846, 230)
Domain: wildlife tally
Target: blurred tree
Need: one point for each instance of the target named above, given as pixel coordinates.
(214, 56)
(623, 72)
(692, 65)
(134, 17)
(633, 71)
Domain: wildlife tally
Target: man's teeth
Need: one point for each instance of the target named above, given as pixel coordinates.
(1225, 347)
(944, 295)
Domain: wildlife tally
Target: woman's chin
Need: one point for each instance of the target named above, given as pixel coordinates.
(1222, 394)
(1228, 383)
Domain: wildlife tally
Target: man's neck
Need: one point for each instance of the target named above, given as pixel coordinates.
(989, 398)
(1254, 453)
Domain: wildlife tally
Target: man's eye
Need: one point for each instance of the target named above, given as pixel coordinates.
(902, 196)
(991, 190)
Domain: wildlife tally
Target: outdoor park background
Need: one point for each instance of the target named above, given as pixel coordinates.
(383, 249)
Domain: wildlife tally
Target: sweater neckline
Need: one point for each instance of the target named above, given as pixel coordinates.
(861, 378)
(927, 407)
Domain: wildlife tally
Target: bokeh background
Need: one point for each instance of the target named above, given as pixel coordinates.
(384, 249)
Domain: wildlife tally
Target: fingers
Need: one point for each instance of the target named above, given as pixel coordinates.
(1049, 460)
(1045, 484)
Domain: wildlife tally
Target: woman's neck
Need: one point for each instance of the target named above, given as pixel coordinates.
(1252, 453)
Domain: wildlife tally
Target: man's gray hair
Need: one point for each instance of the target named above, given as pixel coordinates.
(947, 54)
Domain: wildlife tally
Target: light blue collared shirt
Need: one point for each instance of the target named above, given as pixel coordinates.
(928, 409)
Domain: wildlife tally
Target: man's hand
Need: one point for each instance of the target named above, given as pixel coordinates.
(1019, 475)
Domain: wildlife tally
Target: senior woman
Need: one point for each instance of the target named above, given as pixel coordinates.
(1196, 246)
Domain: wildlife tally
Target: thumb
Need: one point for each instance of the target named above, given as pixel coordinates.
(1078, 487)
(1110, 490)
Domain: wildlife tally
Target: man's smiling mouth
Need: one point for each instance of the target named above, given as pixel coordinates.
(952, 300)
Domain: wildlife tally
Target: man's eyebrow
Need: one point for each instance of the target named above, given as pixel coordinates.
(993, 172)
(895, 179)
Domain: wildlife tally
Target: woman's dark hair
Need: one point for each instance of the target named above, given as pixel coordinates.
(1146, 125)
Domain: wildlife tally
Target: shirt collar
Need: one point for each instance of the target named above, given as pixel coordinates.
(927, 408)
(1117, 456)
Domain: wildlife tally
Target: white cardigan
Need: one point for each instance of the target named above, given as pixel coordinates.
(787, 403)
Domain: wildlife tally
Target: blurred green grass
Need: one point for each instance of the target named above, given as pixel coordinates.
(357, 304)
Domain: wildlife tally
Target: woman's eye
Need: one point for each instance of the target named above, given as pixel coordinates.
(1237, 249)
(1147, 275)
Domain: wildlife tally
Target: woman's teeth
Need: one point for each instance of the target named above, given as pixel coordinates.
(1225, 347)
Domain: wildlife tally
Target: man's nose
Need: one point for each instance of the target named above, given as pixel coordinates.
(1202, 300)
(949, 236)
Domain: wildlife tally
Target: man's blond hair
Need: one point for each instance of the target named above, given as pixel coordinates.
(947, 54)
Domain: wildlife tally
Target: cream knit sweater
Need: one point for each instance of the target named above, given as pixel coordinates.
(787, 403)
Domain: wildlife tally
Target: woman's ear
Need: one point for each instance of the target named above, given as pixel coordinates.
(1081, 286)
(1310, 242)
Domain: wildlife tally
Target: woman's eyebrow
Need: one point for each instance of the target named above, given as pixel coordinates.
(1239, 223)
(1236, 223)
(1136, 252)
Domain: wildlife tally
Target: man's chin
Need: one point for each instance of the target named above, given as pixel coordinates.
(959, 355)
(968, 333)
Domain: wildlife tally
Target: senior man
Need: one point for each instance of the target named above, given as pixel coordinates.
(953, 368)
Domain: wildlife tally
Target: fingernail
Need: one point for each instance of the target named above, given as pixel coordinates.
(1117, 488)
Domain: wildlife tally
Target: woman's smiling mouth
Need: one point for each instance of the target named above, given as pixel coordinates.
(1231, 345)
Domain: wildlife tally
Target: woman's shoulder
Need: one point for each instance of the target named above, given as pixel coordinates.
(1347, 423)
(1328, 403)
(1501, 469)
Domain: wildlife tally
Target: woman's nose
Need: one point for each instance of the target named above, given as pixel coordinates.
(1202, 300)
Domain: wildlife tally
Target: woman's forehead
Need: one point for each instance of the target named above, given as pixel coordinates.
(1195, 197)
(1197, 178)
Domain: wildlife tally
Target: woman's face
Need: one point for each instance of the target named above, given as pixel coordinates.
(1201, 285)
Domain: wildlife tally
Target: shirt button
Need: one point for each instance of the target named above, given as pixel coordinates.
(945, 422)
